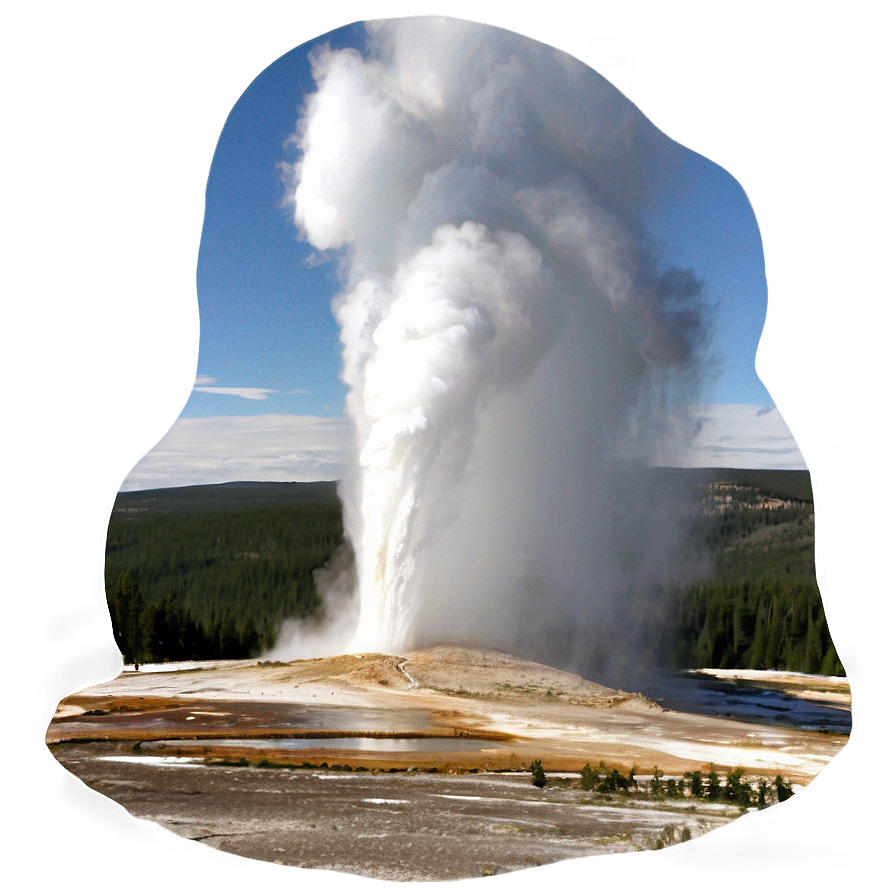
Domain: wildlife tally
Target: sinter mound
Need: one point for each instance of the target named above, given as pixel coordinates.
(461, 671)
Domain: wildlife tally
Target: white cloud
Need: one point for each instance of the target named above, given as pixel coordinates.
(204, 380)
(249, 392)
(266, 448)
(293, 448)
(737, 435)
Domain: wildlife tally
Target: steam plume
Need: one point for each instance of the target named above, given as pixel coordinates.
(511, 345)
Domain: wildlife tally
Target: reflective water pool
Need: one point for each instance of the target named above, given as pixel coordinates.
(746, 701)
(359, 744)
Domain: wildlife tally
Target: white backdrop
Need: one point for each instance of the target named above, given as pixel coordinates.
(112, 112)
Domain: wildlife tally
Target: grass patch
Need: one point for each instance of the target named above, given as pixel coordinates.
(457, 692)
(530, 690)
(242, 762)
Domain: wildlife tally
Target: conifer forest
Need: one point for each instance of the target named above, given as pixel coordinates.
(212, 572)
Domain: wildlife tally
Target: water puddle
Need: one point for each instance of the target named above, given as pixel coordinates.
(353, 744)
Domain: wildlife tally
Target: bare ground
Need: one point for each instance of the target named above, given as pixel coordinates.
(410, 825)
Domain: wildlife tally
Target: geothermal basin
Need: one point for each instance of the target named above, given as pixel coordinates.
(412, 767)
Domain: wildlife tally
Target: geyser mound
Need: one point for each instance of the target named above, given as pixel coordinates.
(516, 352)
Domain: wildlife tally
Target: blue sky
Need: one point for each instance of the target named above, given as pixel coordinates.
(265, 311)
(269, 344)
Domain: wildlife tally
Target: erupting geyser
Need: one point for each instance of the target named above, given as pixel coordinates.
(424, 349)
(512, 345)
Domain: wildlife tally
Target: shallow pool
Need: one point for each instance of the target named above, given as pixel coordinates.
(353, 744)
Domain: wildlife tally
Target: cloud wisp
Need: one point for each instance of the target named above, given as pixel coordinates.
(206, 384)
(511, 337)
(733, 435)
(251, 392)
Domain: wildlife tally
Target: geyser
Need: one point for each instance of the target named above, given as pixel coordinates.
(516, 353)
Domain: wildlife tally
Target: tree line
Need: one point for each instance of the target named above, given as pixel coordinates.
(736, 789)
(761, 624)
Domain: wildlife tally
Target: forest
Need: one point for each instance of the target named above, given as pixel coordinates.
(207, 572)
(761, 608)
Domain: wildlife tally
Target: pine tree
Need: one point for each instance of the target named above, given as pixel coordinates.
(588, 777)
(760, 641)
(695, 783)
(772, 658)
(812, 657)
(126, 611)
(783, 788)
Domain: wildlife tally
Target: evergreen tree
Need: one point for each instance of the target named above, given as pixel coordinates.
(695, 783)
(588, 777)
(760, 641)
(831, 662)
(812, 659)
(736, 789)
(616, 781)
(773, 644)
(783, 789)
(126, 611)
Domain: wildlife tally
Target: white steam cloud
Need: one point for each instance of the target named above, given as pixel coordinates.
(512, 347)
